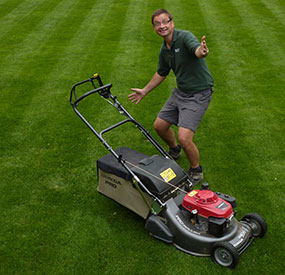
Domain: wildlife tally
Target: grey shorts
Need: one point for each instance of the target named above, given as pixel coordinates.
(186, 110)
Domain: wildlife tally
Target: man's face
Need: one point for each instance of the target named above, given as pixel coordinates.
(163, 25)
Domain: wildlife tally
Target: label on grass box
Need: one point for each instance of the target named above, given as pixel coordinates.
(168, 175)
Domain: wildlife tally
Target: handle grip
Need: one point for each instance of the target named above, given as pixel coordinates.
(103, 90)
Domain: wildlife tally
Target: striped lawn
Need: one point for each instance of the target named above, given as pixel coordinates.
(53, 220)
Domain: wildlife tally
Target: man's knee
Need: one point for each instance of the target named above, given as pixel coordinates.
(185, 136)
(156, 125)
(161, 125)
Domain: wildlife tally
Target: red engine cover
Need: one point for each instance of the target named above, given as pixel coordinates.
(207, 203)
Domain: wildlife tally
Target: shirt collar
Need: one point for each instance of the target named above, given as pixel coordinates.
(174, 38)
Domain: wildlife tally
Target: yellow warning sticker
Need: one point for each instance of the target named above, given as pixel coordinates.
(192, 193)
(168, 175)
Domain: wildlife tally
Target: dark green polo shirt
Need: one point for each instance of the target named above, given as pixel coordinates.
(192, 73)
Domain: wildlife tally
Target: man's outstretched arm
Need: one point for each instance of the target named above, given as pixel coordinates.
(139, 94)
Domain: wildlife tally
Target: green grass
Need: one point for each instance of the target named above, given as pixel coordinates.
(52, 220)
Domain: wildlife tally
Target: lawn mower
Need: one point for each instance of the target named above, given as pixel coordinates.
(200, 222)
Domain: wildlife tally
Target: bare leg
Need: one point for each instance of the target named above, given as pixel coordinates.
(163, 129)
(185, 137)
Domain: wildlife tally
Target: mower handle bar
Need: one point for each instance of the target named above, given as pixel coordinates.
(104, 91)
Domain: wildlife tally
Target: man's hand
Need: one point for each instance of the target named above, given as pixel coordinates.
(202, 51)
(137, 96)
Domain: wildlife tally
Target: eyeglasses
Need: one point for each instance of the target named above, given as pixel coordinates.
(163, 22)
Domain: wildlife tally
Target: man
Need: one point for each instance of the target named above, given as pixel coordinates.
(182, 53)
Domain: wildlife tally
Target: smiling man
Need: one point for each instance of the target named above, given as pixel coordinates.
(184, 54)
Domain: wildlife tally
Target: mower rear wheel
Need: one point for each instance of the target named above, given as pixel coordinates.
(225, 254)
(257, 223)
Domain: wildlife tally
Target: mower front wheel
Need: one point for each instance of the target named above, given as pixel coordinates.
(257, 223)
(225, 254)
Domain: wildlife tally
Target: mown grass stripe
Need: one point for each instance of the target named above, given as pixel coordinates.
(248, 53)
(246, 154)
(97, 234)
(177, 12)
(211, 122)
(20, 17)
(277, 8)
(107, 42)
(43, 102)
(186, 19)
(76, 65)
(51, 83)
(128, 49)
(139, 48)
(136, 41)
(266, 35)
(15, 63)
(20, 135)
(252, 150)
(129, 43)
(74, 68)
(128, 62)
(230, 148)
(270, 90)
(15, 67)
(35, 38)
(8, 6)
(18, 139)
(142, 68)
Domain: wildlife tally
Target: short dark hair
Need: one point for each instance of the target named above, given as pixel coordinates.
(159, 12)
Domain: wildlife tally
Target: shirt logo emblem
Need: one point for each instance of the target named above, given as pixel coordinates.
(177, 50)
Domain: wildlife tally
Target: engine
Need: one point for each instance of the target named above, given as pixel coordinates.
(209, 212)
